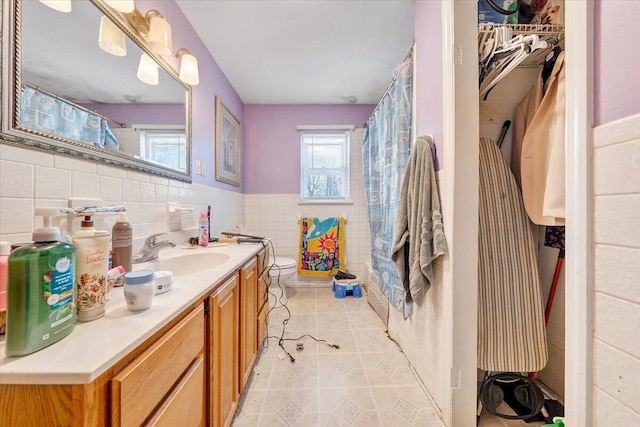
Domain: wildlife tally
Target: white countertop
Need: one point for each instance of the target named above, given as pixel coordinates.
(93, 347)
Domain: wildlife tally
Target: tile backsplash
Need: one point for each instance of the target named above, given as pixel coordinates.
(276, 216)
(31, 179)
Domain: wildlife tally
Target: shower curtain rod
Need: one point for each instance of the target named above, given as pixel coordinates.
(393, 80)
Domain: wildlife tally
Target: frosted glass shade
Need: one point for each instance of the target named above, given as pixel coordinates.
(125, 6)
(160, 36)
(59, 5)
(148, 70)
(189, 69)
(111, 39)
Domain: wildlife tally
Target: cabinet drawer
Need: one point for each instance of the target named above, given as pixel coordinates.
(140, 387)
(184, 406)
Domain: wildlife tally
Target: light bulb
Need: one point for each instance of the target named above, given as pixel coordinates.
(111, 39)
(148, 70)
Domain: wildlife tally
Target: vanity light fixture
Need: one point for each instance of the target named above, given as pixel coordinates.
(111, 39)
(188, 67)
(159, 33)
(148, 70)
(125, 6)
(59, 5)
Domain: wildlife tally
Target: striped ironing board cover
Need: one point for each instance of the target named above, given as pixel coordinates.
(511, 332)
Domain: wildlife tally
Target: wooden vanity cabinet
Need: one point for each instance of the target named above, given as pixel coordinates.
(248, 324)
(189, 373)
(223, 346)
(148, 386)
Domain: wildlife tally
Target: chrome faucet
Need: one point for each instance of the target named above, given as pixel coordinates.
(149, 251)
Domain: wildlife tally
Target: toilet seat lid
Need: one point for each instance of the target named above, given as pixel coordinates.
(283, 262)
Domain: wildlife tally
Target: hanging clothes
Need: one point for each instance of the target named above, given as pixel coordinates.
(511, 334)
(526, 111)
(543, 186)
(418, 237)
(524, 114)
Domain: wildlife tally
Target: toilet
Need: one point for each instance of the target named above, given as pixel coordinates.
(281, 271)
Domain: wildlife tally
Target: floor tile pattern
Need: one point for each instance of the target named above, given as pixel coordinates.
(367, 382)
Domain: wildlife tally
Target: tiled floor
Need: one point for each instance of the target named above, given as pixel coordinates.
(367, 382)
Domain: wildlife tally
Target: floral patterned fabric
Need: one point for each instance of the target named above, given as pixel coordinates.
(385, 152)
(321, 247)
(554, 237)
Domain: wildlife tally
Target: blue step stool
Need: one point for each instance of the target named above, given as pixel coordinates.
(343, 289)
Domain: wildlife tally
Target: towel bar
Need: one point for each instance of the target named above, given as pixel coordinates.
(344, 215)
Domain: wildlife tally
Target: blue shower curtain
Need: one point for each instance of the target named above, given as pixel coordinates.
(385, 152)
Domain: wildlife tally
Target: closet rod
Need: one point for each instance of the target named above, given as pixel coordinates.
(393, 80)
(46, 92)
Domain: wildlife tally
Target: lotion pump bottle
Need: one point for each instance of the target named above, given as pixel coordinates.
(41, 291)
(93, 265)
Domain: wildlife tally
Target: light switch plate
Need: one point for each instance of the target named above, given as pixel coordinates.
(200, 168)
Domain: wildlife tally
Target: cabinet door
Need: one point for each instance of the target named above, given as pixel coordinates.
(223, 352)
(248, 315)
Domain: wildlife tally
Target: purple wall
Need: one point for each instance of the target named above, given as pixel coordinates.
(161, 114)
(272, 143)
(616, 59)
(212, 82)
(428, 78)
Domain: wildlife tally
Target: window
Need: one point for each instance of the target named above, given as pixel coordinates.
(325, 166)
(165, 146)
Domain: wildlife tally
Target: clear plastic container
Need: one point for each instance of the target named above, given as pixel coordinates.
(139, 289)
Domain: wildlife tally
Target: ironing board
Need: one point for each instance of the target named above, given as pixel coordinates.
(511, 333)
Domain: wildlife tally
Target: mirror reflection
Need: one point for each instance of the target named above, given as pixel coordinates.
(82, 80)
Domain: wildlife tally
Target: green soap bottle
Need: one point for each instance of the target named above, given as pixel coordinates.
(41, 292)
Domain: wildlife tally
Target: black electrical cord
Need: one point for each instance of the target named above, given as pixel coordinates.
(281, 339)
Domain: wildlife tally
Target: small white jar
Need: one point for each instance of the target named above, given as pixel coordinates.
(139, 289)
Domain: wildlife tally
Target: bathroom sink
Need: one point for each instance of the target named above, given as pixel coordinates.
(188, 263)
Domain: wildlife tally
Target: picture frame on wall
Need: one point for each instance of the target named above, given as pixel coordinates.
(228, 139)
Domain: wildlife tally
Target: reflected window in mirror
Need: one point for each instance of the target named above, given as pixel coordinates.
(166, 146)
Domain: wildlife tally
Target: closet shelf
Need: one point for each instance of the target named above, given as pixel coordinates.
(544, 31)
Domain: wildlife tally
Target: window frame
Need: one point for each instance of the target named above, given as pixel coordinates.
(344, 169)
(146, 147)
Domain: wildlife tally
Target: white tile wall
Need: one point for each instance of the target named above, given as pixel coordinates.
(31, 179)
(617, 265)
(421, 337)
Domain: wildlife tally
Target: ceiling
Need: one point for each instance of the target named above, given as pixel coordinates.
(305, 51)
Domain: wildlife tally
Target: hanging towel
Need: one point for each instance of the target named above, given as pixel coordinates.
(418, 236)
(511, 335)
(321, 246)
